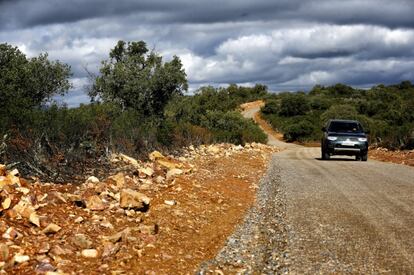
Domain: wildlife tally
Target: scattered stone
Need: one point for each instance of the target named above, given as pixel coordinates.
(44, 248)
(170, 202)
(110, 249)
(92, 179)
(79, 220)
(44, 267)
(14, 172)
(10, 234)
(173, 172)
(107, 224)
(77, 199)
(119, 179)
(123, 235)
(95, 203)
(148, 229)
(13, 178)
(59, 196)
(6, 203)
(56, 273)
(160, 179)
(4, 252)
(81, 241)
(20, 258)
(127, 159)
(24, 208)
(213, 149)
(146, 172)
(155, 155)
(89, 253)
(147, 185)
(133, 199)
(51, 229)
(57, 250)
(12, 214)
(34, 218)
(168, 164)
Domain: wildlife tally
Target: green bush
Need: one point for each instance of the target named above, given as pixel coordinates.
(271, 107)
(232, 127)
(294, 105)
(299, 131)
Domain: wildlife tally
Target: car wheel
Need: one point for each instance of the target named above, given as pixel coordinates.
(325, 155)
(364, 157)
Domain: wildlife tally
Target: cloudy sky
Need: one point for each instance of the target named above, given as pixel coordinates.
(285, 44)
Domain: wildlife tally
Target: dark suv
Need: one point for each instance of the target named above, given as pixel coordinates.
(344, 137)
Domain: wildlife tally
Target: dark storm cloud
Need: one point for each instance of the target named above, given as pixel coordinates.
(25, 13)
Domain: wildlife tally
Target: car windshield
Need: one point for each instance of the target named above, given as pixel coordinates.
(345, 127)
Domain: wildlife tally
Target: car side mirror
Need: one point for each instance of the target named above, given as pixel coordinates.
(324, 129)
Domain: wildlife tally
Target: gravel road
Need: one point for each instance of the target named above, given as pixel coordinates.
(313, 216)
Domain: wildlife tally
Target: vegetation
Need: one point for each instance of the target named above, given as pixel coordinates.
(386, 111)
(214, 110)
(139, 80)
(26, 84)
(137, 105)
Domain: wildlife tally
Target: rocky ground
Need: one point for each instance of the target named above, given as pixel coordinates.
(400, 157)
(163, 216)
(259, 244)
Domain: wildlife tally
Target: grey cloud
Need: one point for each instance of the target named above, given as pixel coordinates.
(287, 45)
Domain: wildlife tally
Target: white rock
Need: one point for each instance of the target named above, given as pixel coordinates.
(79, 220)
(146, 171)
(51, 229)
(92, 179)
(159, 179)
(14, 172)
(170, 202)
(133, 199)
(23, 190)
(34, 218)
(20, 258)
(89, 253)
(6, 203)
(173, 172)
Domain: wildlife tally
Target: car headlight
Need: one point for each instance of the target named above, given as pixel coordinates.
(362, 139)
(332, 138)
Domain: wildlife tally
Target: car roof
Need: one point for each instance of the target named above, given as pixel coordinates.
(343, 120)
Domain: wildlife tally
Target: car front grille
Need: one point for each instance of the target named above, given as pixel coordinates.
(345, 138)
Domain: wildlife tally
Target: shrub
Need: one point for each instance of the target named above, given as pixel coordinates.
(299, 131)
(271, 107)
(294, 105)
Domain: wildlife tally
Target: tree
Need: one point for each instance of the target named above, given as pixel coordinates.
(26, 83)
(139, 79)
(294, 105)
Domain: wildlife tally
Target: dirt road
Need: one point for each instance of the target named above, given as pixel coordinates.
(338, 216)
(347, 216)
